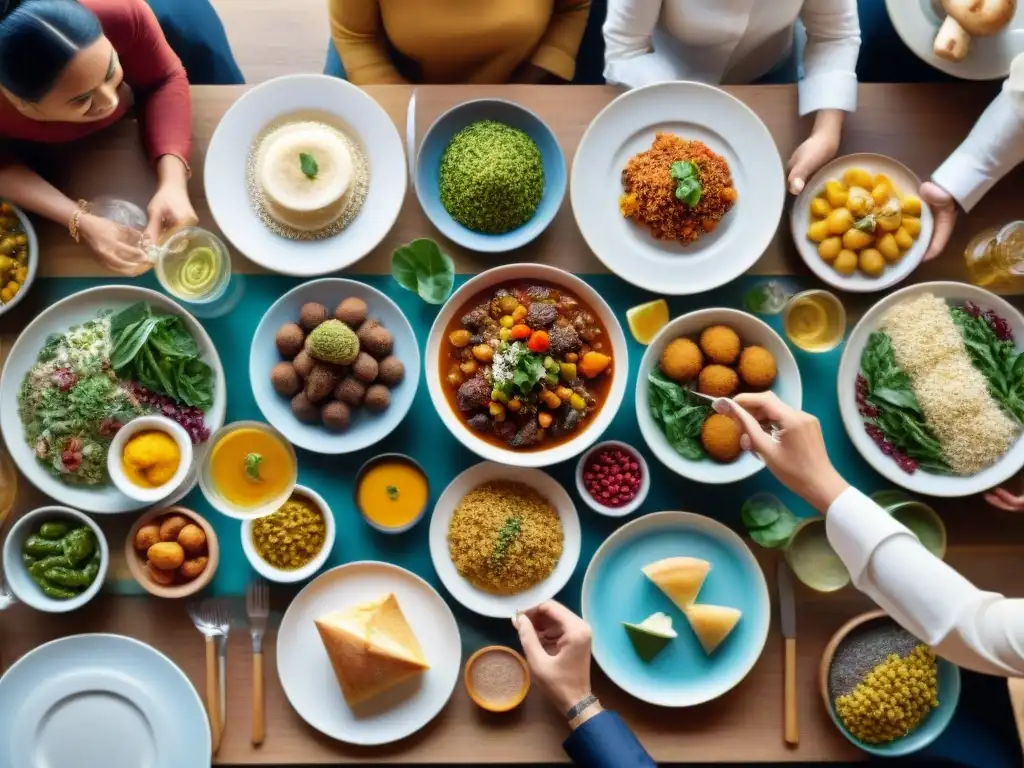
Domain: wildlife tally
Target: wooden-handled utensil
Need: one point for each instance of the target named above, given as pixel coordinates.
(208, 621)
(257, 606)
(787, 620)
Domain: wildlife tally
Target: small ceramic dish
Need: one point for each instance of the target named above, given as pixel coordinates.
(223, 505)
(280, 575)
(115, 466)
(396, 458)
(22, 585)
(933, 724)
(924, 522)
(631, 506)
(493, 704)
(33, 259)
(813, 560)
(136, 560)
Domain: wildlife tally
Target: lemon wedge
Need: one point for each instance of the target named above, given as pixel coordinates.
(645, 320)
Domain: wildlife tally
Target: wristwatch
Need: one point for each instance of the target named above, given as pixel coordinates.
(581, 706)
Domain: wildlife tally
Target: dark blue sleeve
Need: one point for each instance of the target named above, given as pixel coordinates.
(604, 741)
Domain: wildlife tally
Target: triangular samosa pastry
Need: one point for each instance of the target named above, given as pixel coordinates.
(371, 648)
(712, 624)
(679, 577)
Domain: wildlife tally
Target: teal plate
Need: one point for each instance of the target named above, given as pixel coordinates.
(615, 590)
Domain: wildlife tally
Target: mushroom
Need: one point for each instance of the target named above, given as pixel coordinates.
(970, 18)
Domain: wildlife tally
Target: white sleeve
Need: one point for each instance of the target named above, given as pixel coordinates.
(991, 150)
(830, 58)
(630, 58)
(978, 630)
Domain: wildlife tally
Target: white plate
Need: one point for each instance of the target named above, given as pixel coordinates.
(100, 701)
(308, 679)
(906, 182)
(225, 173)
(484, 603)
(751, 331)
(367, 428)
(923, 482)
(692, 111)
(988, 58)
(58, 318)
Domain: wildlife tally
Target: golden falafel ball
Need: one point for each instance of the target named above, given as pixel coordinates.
(720, 437)
(757, 367)
(721, 344)
(681, 360)
(718, 381)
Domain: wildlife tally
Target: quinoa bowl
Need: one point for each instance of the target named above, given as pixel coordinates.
(534, 387)
(448, 189)
(930, 395)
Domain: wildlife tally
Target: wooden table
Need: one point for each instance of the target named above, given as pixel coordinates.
(745, 724)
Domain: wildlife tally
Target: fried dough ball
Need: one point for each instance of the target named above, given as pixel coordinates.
(757, 367)
(718, 381)
(171, 527)
(193, 568)
(681, 360)
(721, 344)
(192, 539)
(720, 437)
(161, 577)
(147, 536)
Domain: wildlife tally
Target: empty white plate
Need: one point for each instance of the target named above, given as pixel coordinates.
(100, 701)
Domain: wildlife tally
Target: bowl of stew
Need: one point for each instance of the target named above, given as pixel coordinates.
(527, 365)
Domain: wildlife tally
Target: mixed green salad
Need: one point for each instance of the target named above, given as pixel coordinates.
(95, 377)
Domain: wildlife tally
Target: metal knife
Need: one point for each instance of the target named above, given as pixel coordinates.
(410, 135)
(222, 671)
(787, 620)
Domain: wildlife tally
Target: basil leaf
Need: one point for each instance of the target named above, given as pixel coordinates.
(760, 511)
(308, 165)
(421, 267)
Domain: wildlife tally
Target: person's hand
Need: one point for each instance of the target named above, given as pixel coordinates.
(116, 247)
(817, 149)
(169, 209)
(944, 212)
(1000, 498)
(557, 646)
(796, 454)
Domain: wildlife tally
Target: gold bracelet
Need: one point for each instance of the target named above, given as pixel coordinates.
(83, 207)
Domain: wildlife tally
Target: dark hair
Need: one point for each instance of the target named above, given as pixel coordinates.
(38, 39)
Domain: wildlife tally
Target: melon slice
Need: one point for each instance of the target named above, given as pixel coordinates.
(651, 635)
(680, 578)
(712, 624)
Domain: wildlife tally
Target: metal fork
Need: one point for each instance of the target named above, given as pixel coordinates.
(257, 606)
(209, 618)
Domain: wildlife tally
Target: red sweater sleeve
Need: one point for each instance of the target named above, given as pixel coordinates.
(154, 73)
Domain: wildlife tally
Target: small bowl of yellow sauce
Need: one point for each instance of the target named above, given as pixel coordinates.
(193, 265)
(497, 678)
(814, 321)
(149, 458)
(249, 471)
(294, 542)
(392, 492)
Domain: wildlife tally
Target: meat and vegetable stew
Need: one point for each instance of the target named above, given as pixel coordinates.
(526, 365)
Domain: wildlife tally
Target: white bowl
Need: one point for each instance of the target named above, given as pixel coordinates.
(269, 572)
(115, 468)
(751, 331)
(923, 482)
(33, 260)
(906, 182)
(454, 421)
(22, 585)
(486, 603)
(641, 494)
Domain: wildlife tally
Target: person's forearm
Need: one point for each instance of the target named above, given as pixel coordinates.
(26, 189)
(829, 124)
(826, 488)
(171, 170)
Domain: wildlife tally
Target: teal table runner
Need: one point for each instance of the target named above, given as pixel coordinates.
(982, 733)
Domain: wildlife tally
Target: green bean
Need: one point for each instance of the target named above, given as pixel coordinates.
(53, 531)
(40, 567)
(79, 545)
(27, 560)
(68, 577)
(37, 546)
(57, 593)
(92, 570)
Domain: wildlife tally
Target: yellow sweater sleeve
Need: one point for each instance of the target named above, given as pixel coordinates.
(358, 34)
(557, 50)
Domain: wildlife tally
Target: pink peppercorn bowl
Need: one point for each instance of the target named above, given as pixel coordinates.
(638, 485)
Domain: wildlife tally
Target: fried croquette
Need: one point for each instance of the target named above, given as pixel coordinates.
(721, 344)
(757, 367)
(718, 381)
(720, 437)
(681, 360)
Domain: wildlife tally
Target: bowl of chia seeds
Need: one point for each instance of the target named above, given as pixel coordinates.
(884, 689)
(490, 175)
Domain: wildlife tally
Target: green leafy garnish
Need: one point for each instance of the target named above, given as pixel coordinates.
(509, 532)
(392, 492)
(768, 521)
(997, 360)
(158, 352)
(679, 413)
(421, 267)
(688, 186)
(308, 165)
(252, 465)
